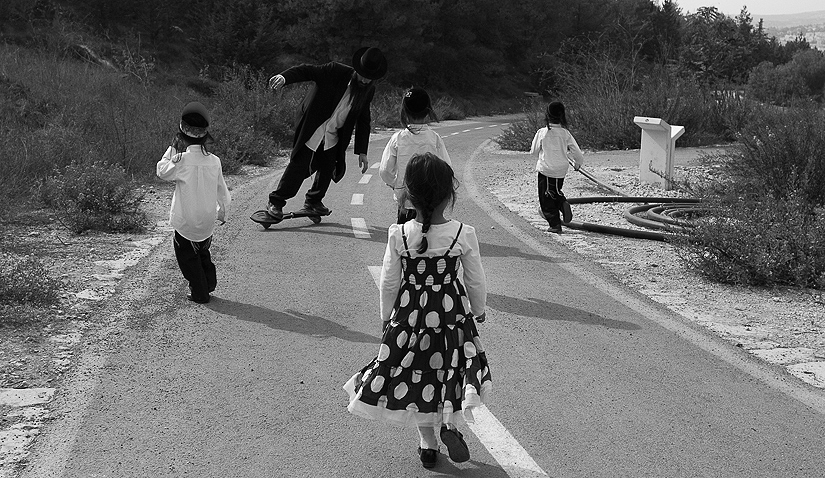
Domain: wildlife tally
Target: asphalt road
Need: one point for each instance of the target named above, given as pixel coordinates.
(590, 379)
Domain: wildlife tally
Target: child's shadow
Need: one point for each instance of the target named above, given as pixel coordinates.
(542, 309)
(289, 320)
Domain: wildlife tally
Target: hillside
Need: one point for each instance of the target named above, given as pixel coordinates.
(791, 20)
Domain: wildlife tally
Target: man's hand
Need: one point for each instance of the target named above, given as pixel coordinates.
(363, 163)
(276, 82)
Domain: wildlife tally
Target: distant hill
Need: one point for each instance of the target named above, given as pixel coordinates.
(790, 20)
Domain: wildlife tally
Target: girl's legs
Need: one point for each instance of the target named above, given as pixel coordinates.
(428, 439)
(551, 200)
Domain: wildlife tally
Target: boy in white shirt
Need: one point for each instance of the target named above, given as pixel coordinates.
(200, 198)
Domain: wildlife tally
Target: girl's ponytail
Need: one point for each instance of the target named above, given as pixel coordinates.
(425, 227)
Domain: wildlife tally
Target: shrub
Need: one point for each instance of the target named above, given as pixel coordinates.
(23, 279)
(780, 154)
(94, 196)
(759, 242)
(519, 134)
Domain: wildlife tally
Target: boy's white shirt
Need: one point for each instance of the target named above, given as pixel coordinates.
(402, 146)
(439, 238)
(200, 196)
(552, 146)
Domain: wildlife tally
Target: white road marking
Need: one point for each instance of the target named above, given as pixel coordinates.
(375, 165)
(480, 127)
(365, 179)
(359, 228)
(466, 131)
(357, 200)
(453, 134)
(375, 271)
(505, 449)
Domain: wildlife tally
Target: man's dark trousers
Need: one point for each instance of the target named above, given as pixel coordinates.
(302, 164)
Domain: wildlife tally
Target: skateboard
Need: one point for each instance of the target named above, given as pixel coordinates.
(263, 218)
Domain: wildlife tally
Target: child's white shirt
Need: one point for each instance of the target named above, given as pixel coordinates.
(439, 239)
(200, 196)
(402, 146)
(552, 145)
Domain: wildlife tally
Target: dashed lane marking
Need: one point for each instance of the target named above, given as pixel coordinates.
(365, 179)
(375, 165)
(359, 228)
(357, 200)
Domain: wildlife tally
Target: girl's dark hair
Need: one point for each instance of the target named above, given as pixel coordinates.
(429, 181)
(555, 114)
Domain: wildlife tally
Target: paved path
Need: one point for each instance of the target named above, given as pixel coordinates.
(590, 379)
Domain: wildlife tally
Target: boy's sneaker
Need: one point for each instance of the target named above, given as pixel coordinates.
(554, 229)
(316, 208)
(276, 212)
(566, 212)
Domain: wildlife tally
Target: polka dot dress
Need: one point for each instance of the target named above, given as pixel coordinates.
(430, 363)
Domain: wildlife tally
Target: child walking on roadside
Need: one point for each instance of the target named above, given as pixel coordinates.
(415, 138)
(553, 145)
(200, 198)
(430, 365)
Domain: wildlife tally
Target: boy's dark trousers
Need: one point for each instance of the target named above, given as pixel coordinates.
(195, 263)
(551, 199)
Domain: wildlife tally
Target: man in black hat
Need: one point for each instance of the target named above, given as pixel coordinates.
(337, 104)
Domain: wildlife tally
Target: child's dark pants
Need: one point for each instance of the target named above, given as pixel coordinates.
(195, 263)
(551, 199)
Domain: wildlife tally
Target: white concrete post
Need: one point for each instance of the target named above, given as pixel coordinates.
(656, 154)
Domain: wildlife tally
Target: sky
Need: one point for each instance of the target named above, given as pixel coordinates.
(761, 7)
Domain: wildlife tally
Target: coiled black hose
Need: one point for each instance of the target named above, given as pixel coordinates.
(661, 214)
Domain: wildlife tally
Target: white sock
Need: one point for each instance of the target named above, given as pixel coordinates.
(428, 440)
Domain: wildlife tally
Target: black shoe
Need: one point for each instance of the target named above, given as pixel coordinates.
(277, 212)
(428, 457)
(554, 229)
(199, 300)
(317, 208)
(566, 212)
(456, 446)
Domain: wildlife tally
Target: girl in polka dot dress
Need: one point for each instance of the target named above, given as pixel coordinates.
(431, 366)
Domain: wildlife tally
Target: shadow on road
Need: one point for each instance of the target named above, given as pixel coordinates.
(485, 470)
(542, 309)
(495, 250)
(289, 321)
(377, 234)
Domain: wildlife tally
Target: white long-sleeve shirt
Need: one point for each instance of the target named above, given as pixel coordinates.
(439, 238)
(200, 196)
(402, 146)
(552, 145)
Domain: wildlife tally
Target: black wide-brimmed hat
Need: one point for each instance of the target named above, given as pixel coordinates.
(370, 63)
(417, 102)
(194, 121)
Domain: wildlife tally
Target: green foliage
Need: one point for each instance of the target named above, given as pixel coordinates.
(519, 135)
(23, 279)
(768, 226)
(801, 78)
(761, 242)
(779, 154)
(94, 196)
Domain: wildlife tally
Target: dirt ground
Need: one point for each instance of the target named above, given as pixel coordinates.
(784, 326)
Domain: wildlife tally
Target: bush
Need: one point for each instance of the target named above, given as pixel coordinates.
(94, 196)
(23, 279)
(759, 242)
(780, 155)
(519, 134)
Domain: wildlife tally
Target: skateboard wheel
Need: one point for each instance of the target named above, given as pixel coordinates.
(266, 226)
(315, 219)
